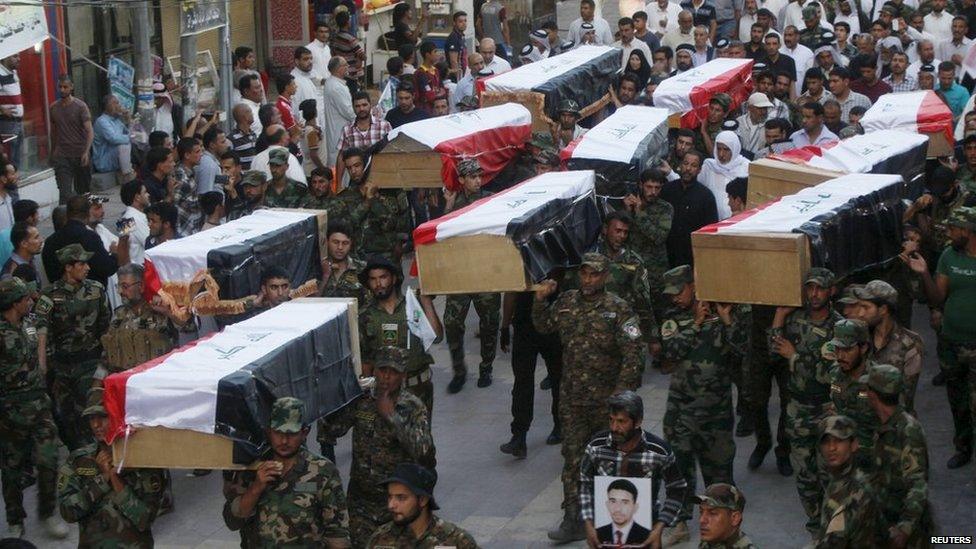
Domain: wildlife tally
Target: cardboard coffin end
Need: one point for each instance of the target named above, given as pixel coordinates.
(471, 264)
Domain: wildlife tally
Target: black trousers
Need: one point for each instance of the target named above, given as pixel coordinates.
(764, 369)
(527, 346)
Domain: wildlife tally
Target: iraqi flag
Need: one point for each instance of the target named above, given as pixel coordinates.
(688, 93)
(494, 136)
(916, 112)
(853, 221)
(552, 219)
(225, 384)
(236, 253)
(620, 146)
(584, 74)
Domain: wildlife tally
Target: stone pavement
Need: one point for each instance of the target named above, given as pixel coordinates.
(507, 503)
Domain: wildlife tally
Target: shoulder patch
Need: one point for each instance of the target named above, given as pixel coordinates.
(44, 305)
(631, 328)
(669, 328)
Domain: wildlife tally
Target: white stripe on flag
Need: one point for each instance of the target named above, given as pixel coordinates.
(616, 138)
(894, 110)
(434, 131)
(861, 153)
(529, 76)
(674, 93)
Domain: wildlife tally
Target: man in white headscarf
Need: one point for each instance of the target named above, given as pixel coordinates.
(725, 165)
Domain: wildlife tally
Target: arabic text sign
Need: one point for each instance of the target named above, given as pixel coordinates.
(21, 26)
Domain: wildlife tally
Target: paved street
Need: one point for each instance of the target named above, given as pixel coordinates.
(510, 504)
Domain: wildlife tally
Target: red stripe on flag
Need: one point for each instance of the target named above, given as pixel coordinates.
(800, 155)
(737, 83)
(427, 233)
(567, 152)
(150, 280)
(493, 148)
(115, 387)
(934, 116)
(717, 227)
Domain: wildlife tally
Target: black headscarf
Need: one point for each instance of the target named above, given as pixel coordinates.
(643, 73)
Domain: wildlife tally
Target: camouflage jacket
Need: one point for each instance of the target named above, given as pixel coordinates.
(900, 476)
(289, 197)
(378, 444)
(848, 514)
(713, 131)
(325, 202)
(19, 372)
(904, 350)
(386, 224)
(440, 533)
(739, 541)
(849, 397)
(107, 518)
(464, 199)
(601, 340)
(701, 381)
(128, 317)
(935, 239)
(648, 234)
(240, 206)
(809, 383)
(377, 329)
(73, 317)
(349, 205)
(811, 37)
(346, 283)
(304, 508)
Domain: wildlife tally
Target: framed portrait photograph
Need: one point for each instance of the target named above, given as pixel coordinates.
(622, 511)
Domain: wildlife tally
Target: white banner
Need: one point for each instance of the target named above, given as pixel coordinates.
(22, 24)
(529, 76)
(616, 139)
(181, 391)
(417, 321)
(434, 131)
(178, 260)
(790, 212)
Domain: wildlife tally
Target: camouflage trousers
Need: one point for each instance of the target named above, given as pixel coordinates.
(579, 423)
(70, 388)
(811, 477)
(958, 361)
(456, 311)
(27, 432)
(364, 519)
(700, 439)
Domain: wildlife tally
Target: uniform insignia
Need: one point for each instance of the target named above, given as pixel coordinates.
(631, 329)
(609, 315)
(390, 334)
(43, 306)
(862, 394)
(827, 351)
(834, 388)
(86, 471)
(820, 332)
(669, 328)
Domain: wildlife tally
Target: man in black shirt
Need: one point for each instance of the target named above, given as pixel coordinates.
(694, 207)
(454, 49)
(775, 61)
(159, 165)
(75, 231)
(406, 110)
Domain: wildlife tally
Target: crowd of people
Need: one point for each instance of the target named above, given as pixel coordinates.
(846, 364)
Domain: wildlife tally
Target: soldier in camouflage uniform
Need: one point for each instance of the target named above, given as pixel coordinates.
(799, 337)
(649, 233)
(720, 520)
(319, 195)
(891, 343)
(487, 305)
(718, 109)
(26, 425)
(848, 396)
(849, 513)
(251, 199)
(389, 426)
(72, 315)
(292, 499)
(523, 166)
(340, 270)
(411, 502)
(383, 322)
(112, 509)
(383, 215)
(901, 463)
(847, 302)
(601, 339)
(282, 191)
(810, 34)
(698, 421)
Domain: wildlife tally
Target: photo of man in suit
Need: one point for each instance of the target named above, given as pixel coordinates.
(622, 506)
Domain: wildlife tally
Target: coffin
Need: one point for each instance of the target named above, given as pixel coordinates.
(687, 94)
(916, 112)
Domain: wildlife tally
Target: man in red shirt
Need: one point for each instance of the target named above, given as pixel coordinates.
(428, 78)
(286, 89)
(870, 84)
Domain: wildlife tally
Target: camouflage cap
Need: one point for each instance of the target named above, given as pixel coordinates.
(841, 427)
(95, 403)
(596, 261)
(848, 333)
(722, 99)
(286, 415)
(278, 156)
(964, 218)
(847, 297)
(14, 289)
(570, 106)
(468, 167)
(809, 12)
(883, 378)
(391, 357)
(73, 253)
(417, 478)
(253, 178)
(377, 261)
(722, 496)
(890, 8)
(96, 199)
(878, 291)
(676, 278)
(542, 140)
(819, 276)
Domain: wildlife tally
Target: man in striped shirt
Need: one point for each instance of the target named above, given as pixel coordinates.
(626, 450)
(899, 80)
(11, 105)
(243, 140)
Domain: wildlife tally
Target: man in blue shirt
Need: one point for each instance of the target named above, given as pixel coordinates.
(112, 147)
(454, 47)
(956, 95)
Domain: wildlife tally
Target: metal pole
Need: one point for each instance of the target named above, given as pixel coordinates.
(188, 76)
(143, 64)
(226, 71)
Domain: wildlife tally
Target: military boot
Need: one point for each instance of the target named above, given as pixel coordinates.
(556, 436)
(460, 371)
(515, 447)
(570, 528)
(484, 376)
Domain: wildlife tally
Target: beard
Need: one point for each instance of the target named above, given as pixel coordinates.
(383, 293)
(407, 519)
(620, 438)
